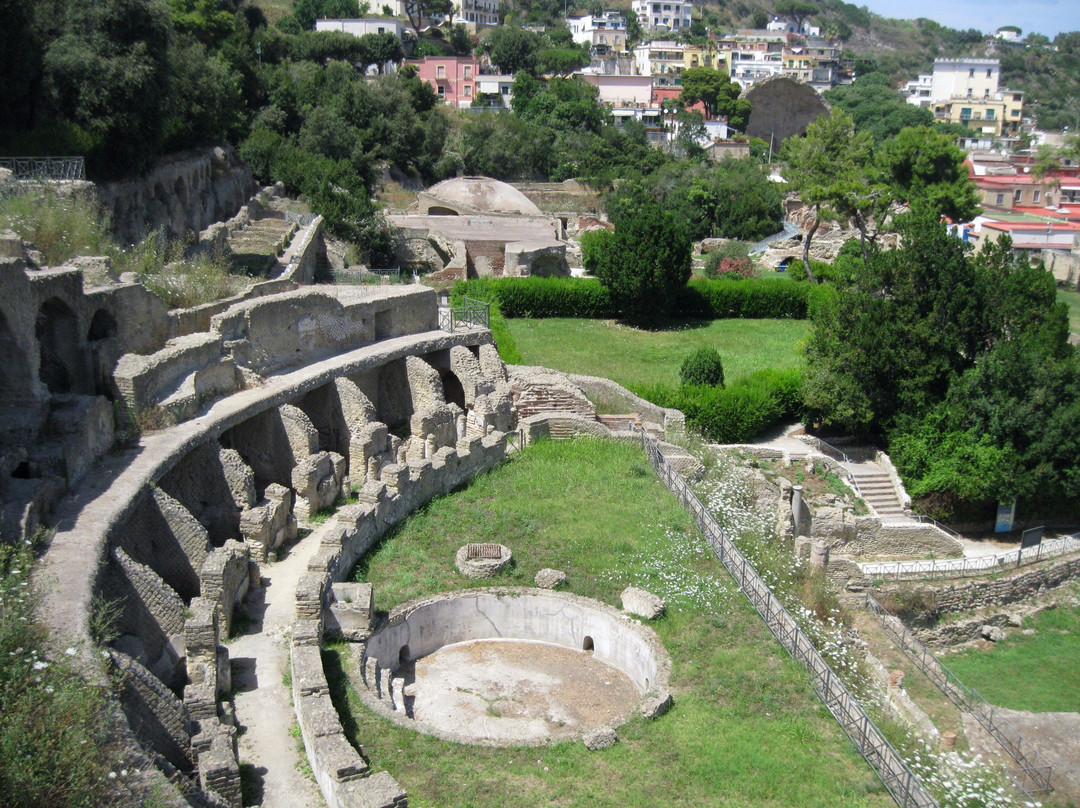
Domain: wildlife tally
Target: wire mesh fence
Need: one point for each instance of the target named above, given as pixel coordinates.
(902, 783)
(971, 566)
(1032, 774)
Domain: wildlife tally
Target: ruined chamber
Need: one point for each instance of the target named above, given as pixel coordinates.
(510, 666)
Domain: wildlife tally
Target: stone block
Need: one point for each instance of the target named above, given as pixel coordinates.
(548, 578)
(599, 738)
(642, 603)
(306, 632)
(655, 706)
(307, 670)
(351, 611)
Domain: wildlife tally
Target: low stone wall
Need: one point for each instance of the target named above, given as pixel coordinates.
(340, 770)
(606, 394)
(997, 592)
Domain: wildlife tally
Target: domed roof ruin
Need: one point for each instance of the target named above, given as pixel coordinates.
(471, 195)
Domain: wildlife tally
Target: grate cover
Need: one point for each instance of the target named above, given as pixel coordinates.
(483, 551)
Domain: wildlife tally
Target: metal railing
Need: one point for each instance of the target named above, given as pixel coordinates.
(935, 523)
(469, 314)
(975, 565)
(46, 169)
(827, 448)
(1033, 773)
(902, 783)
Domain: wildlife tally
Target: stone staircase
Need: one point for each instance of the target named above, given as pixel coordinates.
(877, 489)
(549, 398)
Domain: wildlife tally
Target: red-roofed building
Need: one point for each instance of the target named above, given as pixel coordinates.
(1032, 237)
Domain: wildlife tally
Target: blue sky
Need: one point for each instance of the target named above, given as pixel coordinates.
(1047, 17)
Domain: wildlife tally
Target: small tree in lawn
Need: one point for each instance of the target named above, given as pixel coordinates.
(645, 263)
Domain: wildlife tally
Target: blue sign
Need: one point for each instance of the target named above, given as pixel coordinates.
(1006, 515)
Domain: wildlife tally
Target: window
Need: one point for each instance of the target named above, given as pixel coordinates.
(382, 30)
(441, 90)
(988, 72)
(468, 91)
(989, 114)
(468, 71)
(440, 71)
(971, 73)
(504, 89)
(1017, 195)
(1036, 195)
(1000, 200)
(969, 92)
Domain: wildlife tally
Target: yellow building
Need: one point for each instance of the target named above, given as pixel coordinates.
(998, 114)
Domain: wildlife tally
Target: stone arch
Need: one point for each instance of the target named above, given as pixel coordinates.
(102, 326)
(16, 381)
(57, 332)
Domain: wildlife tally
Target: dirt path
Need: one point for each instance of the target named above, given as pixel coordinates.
(264, 709)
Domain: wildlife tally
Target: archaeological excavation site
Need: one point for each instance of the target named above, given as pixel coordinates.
(223, 492)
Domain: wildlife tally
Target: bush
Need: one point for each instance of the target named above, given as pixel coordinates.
(707, 300)
(703, 366)
(542, 297)
(740, 412)
(753, 298)
(592, 245)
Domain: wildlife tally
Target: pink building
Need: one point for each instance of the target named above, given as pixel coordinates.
(453, 77)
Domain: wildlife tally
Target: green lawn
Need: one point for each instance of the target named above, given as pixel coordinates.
(636, 358)
(1073, 301)
(746, 729)
(1036, 672)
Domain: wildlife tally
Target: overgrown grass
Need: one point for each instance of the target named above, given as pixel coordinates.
(59, 225)
(55, 744)
(62, 225)
(638, 358)
(746, 728)
(1036, 672)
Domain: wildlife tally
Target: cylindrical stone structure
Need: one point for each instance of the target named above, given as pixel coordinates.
(797, 508)
(819, 554)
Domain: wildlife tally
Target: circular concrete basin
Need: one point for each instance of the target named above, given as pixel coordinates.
(509, 666)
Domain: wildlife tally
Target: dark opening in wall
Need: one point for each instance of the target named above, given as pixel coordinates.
(57, 333)
(403, 655)
(588, 644)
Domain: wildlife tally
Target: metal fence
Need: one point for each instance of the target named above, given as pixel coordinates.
(827, 448)
(1033, 772)
(975, 565)
(903, 784)
(52, 169)
(469, 314)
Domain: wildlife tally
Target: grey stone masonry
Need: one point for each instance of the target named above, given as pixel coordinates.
(240, 477)
(225, 580)
(269, 524)
(157, 597)
(317, 482)
(219, 771)
(301, 433)
(351, 611)
(466, 366)
(156, 715)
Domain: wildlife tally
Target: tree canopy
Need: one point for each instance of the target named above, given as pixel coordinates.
(719, 94)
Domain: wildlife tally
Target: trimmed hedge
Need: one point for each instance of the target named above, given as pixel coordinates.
(587, 298)
(740, 412)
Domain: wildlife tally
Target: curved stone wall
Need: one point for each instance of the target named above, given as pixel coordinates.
(560, 618)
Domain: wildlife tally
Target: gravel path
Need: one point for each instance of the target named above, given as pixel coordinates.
(264, 709)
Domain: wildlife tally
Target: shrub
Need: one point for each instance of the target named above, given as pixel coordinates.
(737, 413)
(592, 245)
(59, 225)
(646, 263)
(703, 366)
(754, 297)
(542, 297)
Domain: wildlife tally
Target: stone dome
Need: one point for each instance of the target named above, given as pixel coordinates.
(469, 195)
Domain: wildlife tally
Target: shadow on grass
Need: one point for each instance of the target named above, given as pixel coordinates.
(338, 682)
(660, 326)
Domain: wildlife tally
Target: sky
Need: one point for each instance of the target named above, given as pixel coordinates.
(1047, 17)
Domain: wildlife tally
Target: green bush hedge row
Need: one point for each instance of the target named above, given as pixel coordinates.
(580, 297)
(740, 412)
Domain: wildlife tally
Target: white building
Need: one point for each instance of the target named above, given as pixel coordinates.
(478, 12)
(661, 58)
(918, 91)
(786, 26)
(604, 33)
(362, 27)
(500, 87)
(964, 78)
(667, 15)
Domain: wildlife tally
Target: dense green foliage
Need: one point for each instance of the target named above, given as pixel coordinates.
(876, 107)
(719, 94)
(730, 199)
(739, 412)
(708, 300)
(703, 367)
(645, 263)
(961, 362)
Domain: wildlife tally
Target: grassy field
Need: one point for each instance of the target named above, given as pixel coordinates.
(1036, 672)
(637, 358)
(746, 729)
(1073, 301)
